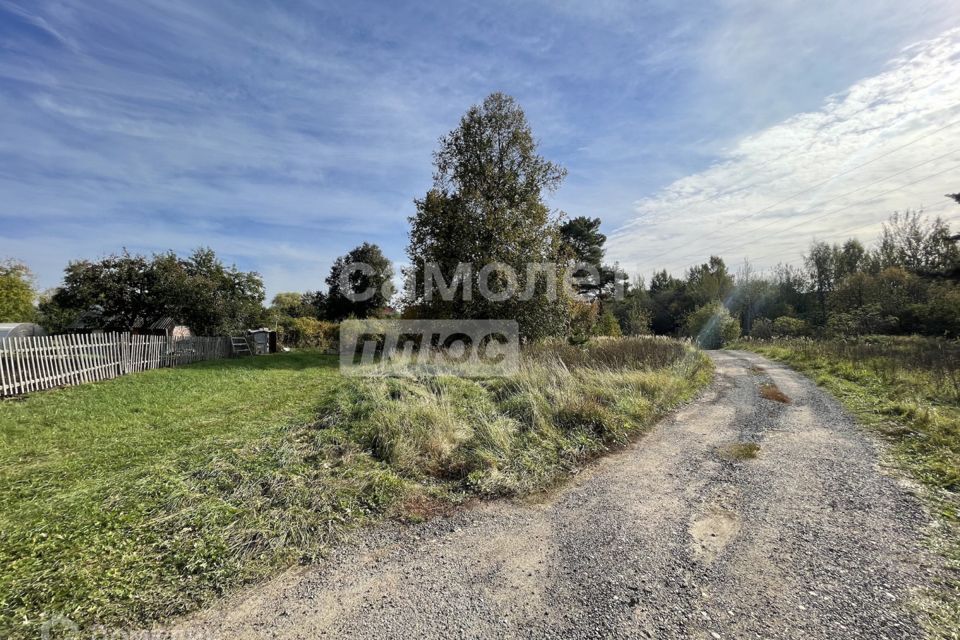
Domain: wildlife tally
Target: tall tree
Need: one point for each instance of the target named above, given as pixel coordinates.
(583, 243)
(709, 282)
(917, 244)
(581, 235)
(848, 259)
(820, 266)
(486, 210)
(360, 283)
(125, 291)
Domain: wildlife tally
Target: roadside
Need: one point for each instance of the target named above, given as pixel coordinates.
(907, 390)
(678, 536)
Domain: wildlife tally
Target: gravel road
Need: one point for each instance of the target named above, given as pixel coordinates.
(669, 539)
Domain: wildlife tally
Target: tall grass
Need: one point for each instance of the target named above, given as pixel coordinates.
(137, 499)
(512, 435)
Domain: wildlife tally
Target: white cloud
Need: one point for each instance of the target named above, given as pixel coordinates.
(834, 172)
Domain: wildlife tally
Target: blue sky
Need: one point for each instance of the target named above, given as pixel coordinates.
(282, 134)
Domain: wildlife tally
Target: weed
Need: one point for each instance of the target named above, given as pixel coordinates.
(739, 451)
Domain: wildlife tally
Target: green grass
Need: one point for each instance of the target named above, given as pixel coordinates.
(907, 390)
(133, 500)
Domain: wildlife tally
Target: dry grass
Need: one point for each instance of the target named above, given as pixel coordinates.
(770, 391)
(739, 451)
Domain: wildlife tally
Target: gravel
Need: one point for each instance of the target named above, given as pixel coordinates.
(667, 539)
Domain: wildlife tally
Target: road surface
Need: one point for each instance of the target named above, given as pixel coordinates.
(671, 538)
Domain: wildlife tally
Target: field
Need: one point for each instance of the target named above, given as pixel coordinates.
(908, 390)
(128, 501)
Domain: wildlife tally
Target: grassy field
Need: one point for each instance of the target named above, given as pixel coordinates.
(132, 500)
(908, 390)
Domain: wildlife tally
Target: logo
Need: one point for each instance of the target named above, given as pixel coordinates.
(467, 348)
(59, 627)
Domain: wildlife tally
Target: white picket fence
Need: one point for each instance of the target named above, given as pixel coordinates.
(43, 362)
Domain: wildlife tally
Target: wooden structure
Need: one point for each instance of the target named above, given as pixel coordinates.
(36, 363)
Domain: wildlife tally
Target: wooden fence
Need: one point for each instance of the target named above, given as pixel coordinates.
(43, 362)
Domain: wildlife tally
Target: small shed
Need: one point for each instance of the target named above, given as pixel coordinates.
(20, 330)
(264, 341)
(171, 328)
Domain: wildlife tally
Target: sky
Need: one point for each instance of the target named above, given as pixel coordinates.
(283, 134)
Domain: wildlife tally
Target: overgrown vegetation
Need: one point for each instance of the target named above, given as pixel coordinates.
(908, 390)
(139, 498)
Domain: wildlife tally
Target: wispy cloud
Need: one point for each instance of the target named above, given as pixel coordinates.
(283, 134)
(887, 143)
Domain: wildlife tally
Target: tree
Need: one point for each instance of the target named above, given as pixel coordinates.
(917, 244)
(709, 282)
(632, 310)
(360, 283)
(583, 243)
(292, 304)
(607, 325)
(484, 226)
(127, 291)
(820, 267)
(668, 302)
(16, 292)
(711, 326)
(581, 235)
(848, 259)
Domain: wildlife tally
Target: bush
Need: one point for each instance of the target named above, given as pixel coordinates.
(762, 329)
(712, 326)
(868, 319)
(787, 327)
(941, 315)
(607, 325)
(309, 333)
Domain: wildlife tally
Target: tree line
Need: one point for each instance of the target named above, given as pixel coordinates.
(487, 206)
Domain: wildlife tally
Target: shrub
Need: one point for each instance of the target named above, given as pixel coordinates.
(712, 326)
(863, 320)
(787, 327)
(309, 333)
(762, 329)
(607, 325)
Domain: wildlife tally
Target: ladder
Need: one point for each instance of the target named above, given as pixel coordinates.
(240, 346)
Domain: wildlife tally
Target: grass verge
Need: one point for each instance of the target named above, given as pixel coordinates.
(137, 499)
(907, 390)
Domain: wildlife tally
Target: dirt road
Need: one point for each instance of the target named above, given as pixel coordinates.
(672, 538)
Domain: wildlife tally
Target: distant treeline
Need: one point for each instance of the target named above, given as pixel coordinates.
(908, 281)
